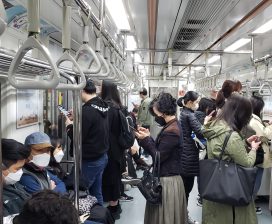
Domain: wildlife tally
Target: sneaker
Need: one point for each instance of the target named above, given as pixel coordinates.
(126, 198)
(130, 180)
(199, 202)
(191, 221)
(259, 210)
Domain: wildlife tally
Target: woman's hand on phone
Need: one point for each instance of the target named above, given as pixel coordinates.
(68, 121)
(142, 133)
(209, 117)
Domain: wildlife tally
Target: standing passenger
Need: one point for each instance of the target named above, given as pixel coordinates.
(112, 174)
(235, 115)
(190, 152)
(144, 118)
(95, 138)
(173, 209)
(264, 131)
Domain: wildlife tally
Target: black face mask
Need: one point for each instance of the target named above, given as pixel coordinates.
(160, 120)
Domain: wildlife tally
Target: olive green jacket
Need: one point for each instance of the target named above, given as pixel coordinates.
(144, 116)
(216, 213)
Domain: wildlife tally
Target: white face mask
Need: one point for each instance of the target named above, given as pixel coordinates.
(195, 107)
(41, 160)
(12, 178)
(58, 156)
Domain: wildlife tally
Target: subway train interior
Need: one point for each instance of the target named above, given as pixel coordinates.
(50, 49)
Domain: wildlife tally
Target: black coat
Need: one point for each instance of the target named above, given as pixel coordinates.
(14, 198)
(190, 152)
(169, 144)
(95, 129)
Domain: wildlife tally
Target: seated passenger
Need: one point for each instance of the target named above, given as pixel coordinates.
(14, 156)
(47, 207)
(38, 176)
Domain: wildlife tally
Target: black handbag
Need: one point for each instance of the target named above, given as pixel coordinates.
(150, 185)
(226, 182)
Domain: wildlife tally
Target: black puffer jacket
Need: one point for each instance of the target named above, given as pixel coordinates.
(190, 153)
(200, 116)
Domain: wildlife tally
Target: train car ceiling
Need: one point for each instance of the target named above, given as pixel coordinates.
(189, 40)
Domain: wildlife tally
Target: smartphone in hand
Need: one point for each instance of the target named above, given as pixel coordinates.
(63, 110)
(134, 129)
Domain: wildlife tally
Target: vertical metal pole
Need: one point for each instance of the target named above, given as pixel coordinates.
(252, 49)
(1, 178)
(101, 16)
(76, 147)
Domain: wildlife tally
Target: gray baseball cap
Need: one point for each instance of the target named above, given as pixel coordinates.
(38, 140)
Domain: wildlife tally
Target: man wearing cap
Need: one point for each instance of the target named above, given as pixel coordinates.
(95, 138)
(35, 176)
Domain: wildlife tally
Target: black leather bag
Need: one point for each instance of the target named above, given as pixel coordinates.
(225, 181)
(150, 185)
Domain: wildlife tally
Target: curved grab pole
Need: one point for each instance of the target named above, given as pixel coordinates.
(31, 43)
(86, 49)
(66, 45)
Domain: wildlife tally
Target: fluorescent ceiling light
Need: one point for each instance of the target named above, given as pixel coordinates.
(237, 44)
(264, 28)
(118, 14)
(213, 59)
(198, 68)
(131, 43)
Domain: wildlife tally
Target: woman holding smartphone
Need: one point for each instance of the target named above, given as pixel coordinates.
(173, 209)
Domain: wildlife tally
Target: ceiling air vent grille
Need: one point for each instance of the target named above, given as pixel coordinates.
(199, 17)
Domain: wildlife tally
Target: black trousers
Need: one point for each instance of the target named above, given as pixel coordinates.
(188, 185)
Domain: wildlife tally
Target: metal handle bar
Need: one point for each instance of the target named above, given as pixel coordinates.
(104, 63)
(265, 84)
(29, 44)
(67, 57)
(85, 48)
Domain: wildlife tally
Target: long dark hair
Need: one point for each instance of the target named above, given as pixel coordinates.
(228, 87)
(206, 105)
(110, 93)
(257, 105)
(236, 112)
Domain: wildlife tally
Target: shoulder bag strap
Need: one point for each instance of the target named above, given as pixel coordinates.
(156, 165)
(225, 144)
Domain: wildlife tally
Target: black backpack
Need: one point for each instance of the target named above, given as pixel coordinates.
(127, 136)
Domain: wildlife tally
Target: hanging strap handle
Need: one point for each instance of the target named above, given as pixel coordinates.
(225, 144)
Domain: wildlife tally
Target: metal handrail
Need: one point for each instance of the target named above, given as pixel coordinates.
(86, 49)
(66, 45)
(264, 85)
(31, 43)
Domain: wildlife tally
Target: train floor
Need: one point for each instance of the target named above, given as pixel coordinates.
(133, 212)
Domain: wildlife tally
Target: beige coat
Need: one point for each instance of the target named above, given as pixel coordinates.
(266, 131)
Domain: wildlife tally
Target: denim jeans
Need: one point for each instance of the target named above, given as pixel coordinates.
(91, 222)
(258, 181)
(93, 171)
